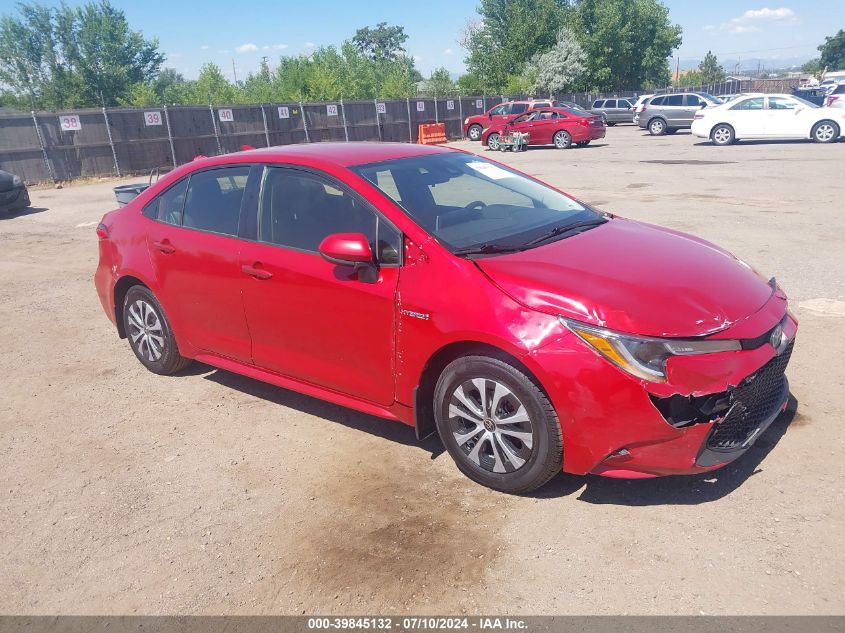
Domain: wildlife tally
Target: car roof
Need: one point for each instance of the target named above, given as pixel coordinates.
(339, 154)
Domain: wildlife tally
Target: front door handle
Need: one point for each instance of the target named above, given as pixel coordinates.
(258, 273)
(164, 246)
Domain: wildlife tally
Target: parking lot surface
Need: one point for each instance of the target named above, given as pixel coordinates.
(126, 492)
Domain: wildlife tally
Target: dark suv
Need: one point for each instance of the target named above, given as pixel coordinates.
(666, 114)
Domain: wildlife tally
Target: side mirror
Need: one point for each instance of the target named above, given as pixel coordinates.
(490, 116)
(346, 249)
(703, 105)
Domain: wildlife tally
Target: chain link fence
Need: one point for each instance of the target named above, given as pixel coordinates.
(43, 147)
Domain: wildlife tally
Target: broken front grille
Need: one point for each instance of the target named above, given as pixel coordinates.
(756, 399)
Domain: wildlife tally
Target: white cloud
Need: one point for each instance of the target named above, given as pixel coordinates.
(247, 48)
(748, 22)
(204, 47)
(418, 58)
(448, 51)
(309, 45)
(173, 55)
(274, 47)
(225, 51)
(709, 27)
(784, 13)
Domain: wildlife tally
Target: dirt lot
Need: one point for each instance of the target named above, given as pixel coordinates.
(125, 492)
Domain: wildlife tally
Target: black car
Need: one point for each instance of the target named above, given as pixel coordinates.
(13, 193)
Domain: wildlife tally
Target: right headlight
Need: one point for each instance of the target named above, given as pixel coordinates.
(642, 356)
(16, 181)
(466, 121)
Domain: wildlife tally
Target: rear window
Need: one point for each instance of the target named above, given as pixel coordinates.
(519, 108)
(749, 104)
(598, 103)
(214, 200)
(542, 105)
(657, 101)
(610, 103)
(840, 89)
(674, 100)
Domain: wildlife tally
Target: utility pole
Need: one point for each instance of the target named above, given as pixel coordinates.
(234, 70)
(678, 70)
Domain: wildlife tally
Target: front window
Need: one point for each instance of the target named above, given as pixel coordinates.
(519, 108)
(500, 110)
(467, 202)
(755, 103)
(674, 100)
(782, 103)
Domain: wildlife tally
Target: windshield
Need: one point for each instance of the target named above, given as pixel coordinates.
(465, 201)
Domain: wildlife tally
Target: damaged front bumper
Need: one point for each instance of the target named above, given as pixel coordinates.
(711, 409)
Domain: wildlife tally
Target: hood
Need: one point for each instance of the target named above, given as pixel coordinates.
(635, 278)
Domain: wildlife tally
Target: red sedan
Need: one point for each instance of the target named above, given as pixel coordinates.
(560, 127)
(453, 294)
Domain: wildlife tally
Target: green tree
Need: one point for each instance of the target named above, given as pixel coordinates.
(627, 42)
(470, 84)
(510, 33)
(210, 86)
(709, 69)
(258, 87)
(439, 84)
(83, 56)
(380, 42)
(833, 52)
(558, 69)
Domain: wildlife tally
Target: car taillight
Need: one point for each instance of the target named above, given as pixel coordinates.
(642, 109)
(831, 99)
(102, 231)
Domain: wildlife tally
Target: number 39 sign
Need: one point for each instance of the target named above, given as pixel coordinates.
(152, 118)
(70, 122)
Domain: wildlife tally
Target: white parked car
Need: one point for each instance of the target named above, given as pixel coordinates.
(638, 107)
(769, 116)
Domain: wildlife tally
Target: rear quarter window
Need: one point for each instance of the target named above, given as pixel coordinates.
(598, 103)
(657, 101)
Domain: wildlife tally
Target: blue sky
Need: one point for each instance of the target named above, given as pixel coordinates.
(224, 30)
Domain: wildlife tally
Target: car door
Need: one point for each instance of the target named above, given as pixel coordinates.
(543, 127)
(692, 104)
(673, 108)
(312, 320)
(782, 118)
(623, 110)
(748, 117)
(193, 244)
(499, 114)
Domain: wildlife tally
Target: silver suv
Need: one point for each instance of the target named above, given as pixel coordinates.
(666, 114)
(613, 111)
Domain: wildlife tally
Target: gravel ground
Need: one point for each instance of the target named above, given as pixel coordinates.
(124, 492)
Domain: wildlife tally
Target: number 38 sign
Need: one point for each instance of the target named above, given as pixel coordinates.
(70, 122)
(152, 118)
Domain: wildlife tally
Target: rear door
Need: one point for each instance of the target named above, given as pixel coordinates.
(322, 323)
(194, 248)
(748, 117)
(673, 109)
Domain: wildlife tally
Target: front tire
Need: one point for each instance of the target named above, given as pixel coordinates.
(825, 132)
(494, 142)
(722, 134)
(149, 332)
(562, 139)
(499, 427)
(474, 132)
(657, 127)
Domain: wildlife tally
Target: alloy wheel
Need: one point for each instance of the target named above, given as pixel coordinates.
(562, 140)
(145, 330)
(722, 135)
(490, 425)
(474, 133)
(493, 142)
(825, 132)
(656, 127)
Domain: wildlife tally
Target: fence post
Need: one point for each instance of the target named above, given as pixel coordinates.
(410, 133)
(343, 114)
(266, 131)
(378, 120)
(436, 114)
(43, 149)
(111, 142)
(461, 113)
(170, 135)
(304, 122)
(216, 133)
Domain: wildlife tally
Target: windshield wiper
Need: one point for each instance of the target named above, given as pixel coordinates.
(563, 230)
(487, 249)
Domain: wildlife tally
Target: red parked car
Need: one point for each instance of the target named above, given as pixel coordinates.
(451, 293)
(474, 125)
(560, 127)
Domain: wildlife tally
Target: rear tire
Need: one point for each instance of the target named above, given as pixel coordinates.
(657, 127)
(497, 424)
(494, 142)
(562, 139)
(825, 132)
(722, 134)
(149, 333)
(474, 132)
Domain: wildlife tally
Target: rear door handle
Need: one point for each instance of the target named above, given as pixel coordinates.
(164, 246)
(258, 273)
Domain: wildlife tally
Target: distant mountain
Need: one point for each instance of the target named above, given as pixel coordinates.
(751, 64)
